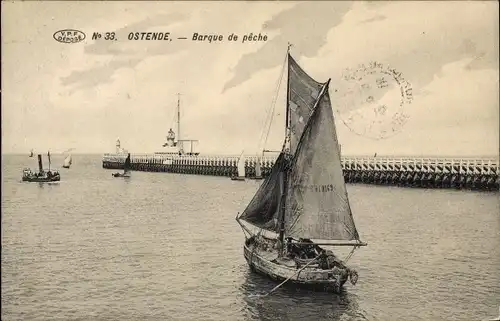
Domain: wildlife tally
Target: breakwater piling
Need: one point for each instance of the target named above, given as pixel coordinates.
(457, 173)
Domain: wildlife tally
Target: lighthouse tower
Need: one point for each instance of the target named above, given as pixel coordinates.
(170, 139)
(118, 146)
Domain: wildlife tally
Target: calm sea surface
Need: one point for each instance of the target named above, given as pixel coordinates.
(166, 247)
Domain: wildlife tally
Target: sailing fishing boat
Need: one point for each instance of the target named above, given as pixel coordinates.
(68, 161)
(42, 175)
(303, 198)
(126, 168)
(241, 169)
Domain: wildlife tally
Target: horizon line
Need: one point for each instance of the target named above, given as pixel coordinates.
(229, 154)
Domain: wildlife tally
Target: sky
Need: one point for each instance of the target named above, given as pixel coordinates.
(86, 95)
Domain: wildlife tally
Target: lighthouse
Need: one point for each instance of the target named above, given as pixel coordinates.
(170, 139)
(118, 146)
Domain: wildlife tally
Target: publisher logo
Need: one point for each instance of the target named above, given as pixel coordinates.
(69, 36)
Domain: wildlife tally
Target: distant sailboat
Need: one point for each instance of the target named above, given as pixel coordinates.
(42, 175)
(31, 153)
(303, 198)
(126, 168)
(68, 161)
(241, 169)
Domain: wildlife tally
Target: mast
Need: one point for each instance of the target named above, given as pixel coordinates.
(284, 176)
(322, 212)
(40, 164)
(179, 122)
(287, 117)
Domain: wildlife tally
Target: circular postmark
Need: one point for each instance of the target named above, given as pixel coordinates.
(370, 100)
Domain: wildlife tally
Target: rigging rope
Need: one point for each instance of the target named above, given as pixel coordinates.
(270, 112)
(350, 254)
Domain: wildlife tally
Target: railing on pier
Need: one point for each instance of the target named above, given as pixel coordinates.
(454, 172)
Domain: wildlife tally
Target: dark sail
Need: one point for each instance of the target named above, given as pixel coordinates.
(317, 204)
(262, 211)
(40, 165)
(303, 92)
(126, 167)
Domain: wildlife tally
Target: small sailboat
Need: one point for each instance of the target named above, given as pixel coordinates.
(42, 175)
(31, 153)
(241, 169)
(303, 204)
(126, 168)
(68, 161)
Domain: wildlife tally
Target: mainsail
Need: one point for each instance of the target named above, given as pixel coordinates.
(263, 209)
(68, 161)
(317, 205)
(316, 201)
(303, 93)
(241, 166)
(126, 167)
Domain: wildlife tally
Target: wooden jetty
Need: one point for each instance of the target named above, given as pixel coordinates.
(438, 172)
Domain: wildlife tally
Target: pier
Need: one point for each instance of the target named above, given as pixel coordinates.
(456, 173)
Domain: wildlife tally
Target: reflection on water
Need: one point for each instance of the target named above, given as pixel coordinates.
(46, 184)
(160, 246)
(292, 303)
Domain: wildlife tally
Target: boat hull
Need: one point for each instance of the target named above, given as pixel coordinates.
(237, 178)
(121, 175)
(42, 179)
(64, 166)
(266, 263)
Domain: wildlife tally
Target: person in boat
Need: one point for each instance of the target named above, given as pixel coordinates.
(295, 250)
(290, 248)
(302, 251)
(323, 261)
(309, 250)
(328, 260)
(263, 244)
